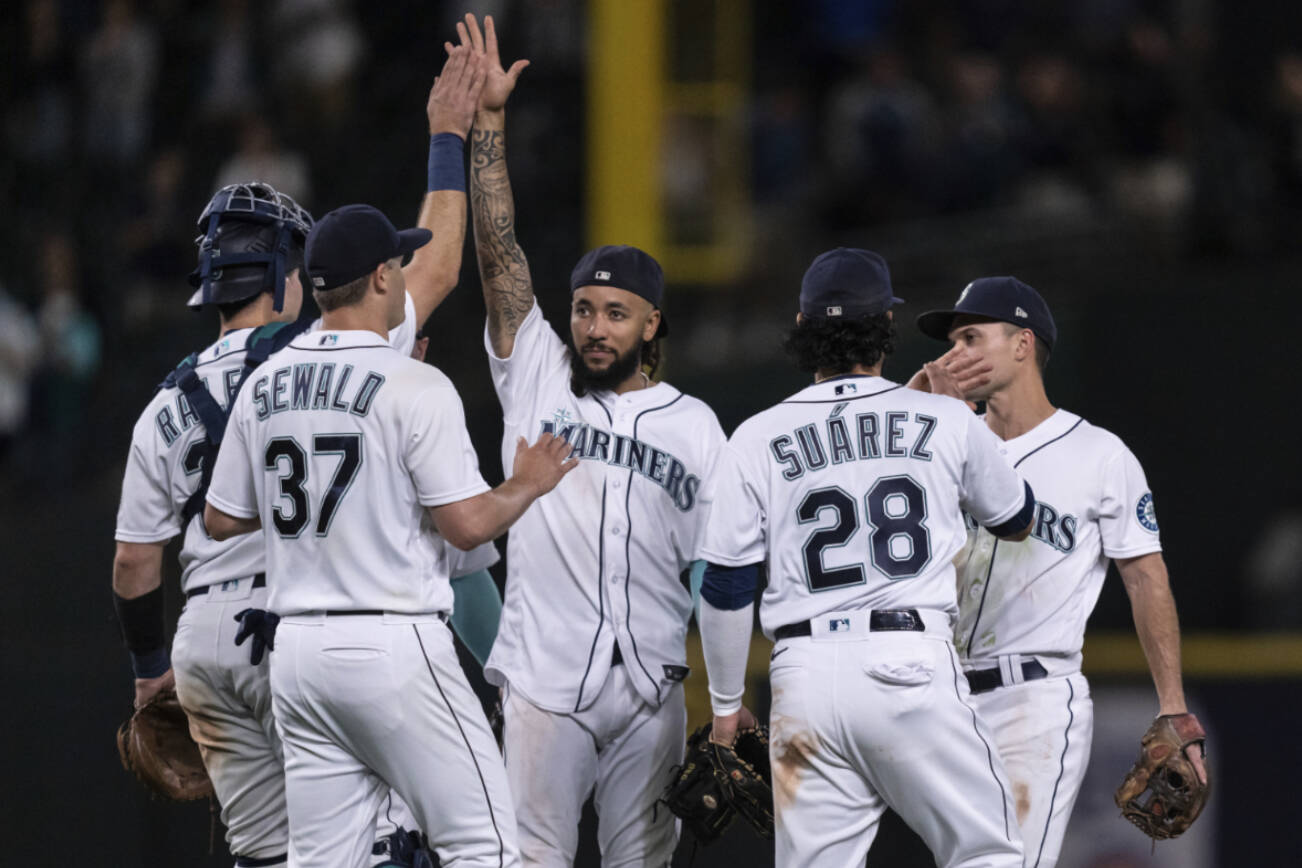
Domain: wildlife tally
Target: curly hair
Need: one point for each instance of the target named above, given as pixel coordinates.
(836, 346)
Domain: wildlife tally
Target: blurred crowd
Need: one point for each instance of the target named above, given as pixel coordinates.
(1159, 109)
(120, 117)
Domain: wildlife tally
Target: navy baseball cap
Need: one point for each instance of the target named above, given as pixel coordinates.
(1005, 299)
(624, 267)
(350, 241)
(847, 282)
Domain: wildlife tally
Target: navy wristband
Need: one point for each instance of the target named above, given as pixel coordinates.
(151, 664)
(447, 163)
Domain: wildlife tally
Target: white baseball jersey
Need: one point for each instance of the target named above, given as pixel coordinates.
(850, 489)
(1092, 503)
(339, 442)
(597, 561)
(163, 469)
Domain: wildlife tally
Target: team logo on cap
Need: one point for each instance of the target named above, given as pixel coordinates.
(1145, 513)
(602, 275)
(1023, 314)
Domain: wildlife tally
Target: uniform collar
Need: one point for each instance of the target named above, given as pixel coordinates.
(351, 339)
(1057, 424)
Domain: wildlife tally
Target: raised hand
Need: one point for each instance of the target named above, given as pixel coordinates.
(500, 82)
(456, 92)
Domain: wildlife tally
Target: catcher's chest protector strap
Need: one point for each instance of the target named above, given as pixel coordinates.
(262, 343)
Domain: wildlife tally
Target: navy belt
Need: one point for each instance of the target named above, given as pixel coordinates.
(985, 680)
(344, 613)
(878, 620)
(259, 581)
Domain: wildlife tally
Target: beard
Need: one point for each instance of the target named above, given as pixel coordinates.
(584, 379)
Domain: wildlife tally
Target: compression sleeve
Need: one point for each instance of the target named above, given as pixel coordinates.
(476, 611)
(725, 641)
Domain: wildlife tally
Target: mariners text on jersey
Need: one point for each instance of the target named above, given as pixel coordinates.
(839, 439)
(592, 444)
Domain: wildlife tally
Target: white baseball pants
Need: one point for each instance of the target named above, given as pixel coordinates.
(1043, 730)
(621, 746)
(368, 702)
(864, 720)
(228, 701)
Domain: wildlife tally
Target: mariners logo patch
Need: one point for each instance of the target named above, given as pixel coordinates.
(1145, 513)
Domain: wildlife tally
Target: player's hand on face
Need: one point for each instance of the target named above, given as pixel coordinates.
(919, 381)
(724, 730)
(499, 82)
(455, 95)
(543, 464)
(148, 688)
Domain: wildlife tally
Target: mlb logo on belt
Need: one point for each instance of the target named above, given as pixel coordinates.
(836, 624)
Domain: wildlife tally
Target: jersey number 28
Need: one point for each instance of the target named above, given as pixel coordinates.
(285, 454)
(899, 544)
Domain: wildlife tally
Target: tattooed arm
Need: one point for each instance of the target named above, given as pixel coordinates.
(503, 270)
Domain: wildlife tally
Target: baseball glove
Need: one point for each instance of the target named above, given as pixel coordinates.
(1161, 793)
(155, 746)
(695, 794)
(746, 779)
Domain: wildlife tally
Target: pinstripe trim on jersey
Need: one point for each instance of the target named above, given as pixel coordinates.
(843, 398)
(1062, 767)
(492, 815)
(628, 541)
(1018, 462)
(990, 754)
(995, 548)
(601, 595)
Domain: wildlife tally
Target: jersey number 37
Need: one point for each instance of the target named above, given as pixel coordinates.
(286, 456)
(899, 545)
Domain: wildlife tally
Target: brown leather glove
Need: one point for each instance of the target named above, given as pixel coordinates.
(155, 745)
(1162, 794)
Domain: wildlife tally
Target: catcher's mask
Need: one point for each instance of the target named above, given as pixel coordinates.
(251, 236)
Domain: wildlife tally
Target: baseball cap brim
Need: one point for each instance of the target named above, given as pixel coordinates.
(937, 323)
(411, 240)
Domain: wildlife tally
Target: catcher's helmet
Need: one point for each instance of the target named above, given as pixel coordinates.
(251, 235)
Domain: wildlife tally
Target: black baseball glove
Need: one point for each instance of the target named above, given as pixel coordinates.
(716, 783)
(694, 793)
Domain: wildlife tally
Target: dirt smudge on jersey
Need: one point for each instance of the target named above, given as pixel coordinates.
(1022, 800)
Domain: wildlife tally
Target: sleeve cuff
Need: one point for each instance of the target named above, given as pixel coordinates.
(229, 508)
(1019, 519)
(444, 499)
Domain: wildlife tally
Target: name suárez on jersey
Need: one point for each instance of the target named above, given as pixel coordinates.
(863, 437)
(590, 443)
(313, 386)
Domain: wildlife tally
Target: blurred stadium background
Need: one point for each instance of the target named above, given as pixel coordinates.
(1138, 161)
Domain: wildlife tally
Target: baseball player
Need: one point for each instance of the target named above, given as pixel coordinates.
(590, 650)
(852, 492)
(338, 447)
(1023, 605)
(251, 246)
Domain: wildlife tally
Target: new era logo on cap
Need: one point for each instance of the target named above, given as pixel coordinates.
(602, 275)
(1023, 314)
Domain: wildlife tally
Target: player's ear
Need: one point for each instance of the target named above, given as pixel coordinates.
(651, 326)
